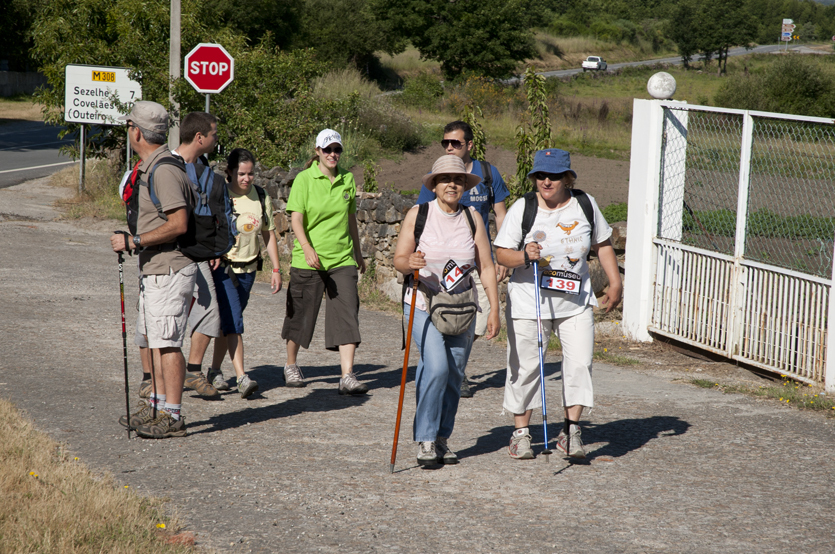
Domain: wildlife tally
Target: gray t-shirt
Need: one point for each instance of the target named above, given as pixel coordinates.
(173, 190)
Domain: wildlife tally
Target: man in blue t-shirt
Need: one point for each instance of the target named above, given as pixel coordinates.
(458, 141)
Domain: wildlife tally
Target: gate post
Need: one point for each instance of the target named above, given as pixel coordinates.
(642, 218)
(829, 375)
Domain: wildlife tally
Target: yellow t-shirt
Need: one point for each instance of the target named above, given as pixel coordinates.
(250, 226)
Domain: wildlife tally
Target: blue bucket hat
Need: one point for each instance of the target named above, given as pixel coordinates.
(552, 160)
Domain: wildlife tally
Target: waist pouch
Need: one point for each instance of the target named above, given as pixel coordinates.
(451, 314)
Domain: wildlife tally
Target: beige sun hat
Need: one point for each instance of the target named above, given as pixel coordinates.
(449, 165)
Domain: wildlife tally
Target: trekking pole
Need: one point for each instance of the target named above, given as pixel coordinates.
(405, 367)
(547, 451)
(124, 338)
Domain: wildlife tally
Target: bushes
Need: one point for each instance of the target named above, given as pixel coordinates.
(793, 84)
(422, 91)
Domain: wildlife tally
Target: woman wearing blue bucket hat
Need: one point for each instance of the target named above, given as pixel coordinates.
(557, 236)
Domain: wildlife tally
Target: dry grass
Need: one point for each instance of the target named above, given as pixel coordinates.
(340, 83)
(793, 393)
(53, 503)
(101, 191)
(408, 63)
(19, 108)
(568, 52)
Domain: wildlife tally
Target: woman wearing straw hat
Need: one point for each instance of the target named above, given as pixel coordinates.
(453, 242)
(559, 240)
(326, 255)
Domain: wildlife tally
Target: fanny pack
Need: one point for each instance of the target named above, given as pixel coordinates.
(451, 314)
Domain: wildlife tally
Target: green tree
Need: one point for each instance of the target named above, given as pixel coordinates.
(257, 18)
(684, 29)
(16, 19)
(489, 37)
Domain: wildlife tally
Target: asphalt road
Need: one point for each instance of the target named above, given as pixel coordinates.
(29, 150)
(674, 60)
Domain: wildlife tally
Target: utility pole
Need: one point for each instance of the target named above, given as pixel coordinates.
(174, 73)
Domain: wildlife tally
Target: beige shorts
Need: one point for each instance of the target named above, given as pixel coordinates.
(576, 333)
(484, 304)
(163, 307)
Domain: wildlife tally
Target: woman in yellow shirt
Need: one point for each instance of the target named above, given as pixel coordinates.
(235, 277)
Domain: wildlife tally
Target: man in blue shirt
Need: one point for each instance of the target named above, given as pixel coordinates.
(458, 141)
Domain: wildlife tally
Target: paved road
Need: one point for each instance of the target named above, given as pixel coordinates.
(29, 150)
(674, 60)
(671, 467)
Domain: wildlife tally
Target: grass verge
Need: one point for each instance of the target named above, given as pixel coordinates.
(100, 198)
(793, 393)
(53, 503)
(19, 108)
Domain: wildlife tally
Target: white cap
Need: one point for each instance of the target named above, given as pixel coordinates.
(327, 137)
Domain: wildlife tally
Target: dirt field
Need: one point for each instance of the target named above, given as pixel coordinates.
(606, 180)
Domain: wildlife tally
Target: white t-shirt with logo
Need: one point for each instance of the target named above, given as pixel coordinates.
(564, 235)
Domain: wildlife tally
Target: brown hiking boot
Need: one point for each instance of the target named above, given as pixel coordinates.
(163, 427)
(195, 380)
(145, 414)
(145, 389)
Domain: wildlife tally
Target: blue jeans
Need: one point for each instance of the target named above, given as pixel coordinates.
(439, 375)
(232, 300)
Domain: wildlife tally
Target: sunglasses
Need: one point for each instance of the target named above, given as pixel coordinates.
(541, 176)
(332, 150)
(457, 144)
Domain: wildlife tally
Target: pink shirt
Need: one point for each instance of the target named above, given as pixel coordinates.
(445, 237)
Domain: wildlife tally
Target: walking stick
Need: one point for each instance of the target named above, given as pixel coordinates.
(124, 338)
(405, 367)
(547, 451)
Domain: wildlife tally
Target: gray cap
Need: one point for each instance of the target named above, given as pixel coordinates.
(148, 115)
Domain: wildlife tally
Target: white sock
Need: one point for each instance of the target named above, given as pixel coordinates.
(157, 400)
(520, 432)
(173, 409)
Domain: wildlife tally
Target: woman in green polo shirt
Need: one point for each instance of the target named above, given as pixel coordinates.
(326, 255)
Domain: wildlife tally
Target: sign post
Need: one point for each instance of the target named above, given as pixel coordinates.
(209, 68)
(787, 32)
(91, 93)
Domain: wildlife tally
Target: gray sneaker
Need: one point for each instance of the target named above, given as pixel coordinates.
(445, 455)
(246, 386)
(293, 376)
(573, 447)
(427, 456)
(520, 446)
(215, 377)
(466, 391)
(143, 415)
(350, 385)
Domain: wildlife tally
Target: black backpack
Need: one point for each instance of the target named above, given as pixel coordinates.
(488, 182)
(211, 225)
(531, 204)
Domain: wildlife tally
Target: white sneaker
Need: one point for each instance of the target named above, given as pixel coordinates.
(293, 376)
(520, 445)
(215, 377)
(246, 386)
(427, 456)
(574, 446)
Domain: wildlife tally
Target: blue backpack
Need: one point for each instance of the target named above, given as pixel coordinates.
(211, 227)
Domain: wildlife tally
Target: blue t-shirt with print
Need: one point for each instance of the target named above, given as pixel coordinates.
(477, 197)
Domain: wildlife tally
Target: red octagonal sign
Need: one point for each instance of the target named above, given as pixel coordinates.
(209, 68)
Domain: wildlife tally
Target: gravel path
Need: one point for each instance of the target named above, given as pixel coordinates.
(672, 468)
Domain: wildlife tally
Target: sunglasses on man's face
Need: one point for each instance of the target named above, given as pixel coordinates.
(541, 176)
(332, 150)
(457, 144)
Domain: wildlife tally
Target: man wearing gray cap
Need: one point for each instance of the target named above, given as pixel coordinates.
(168, 276)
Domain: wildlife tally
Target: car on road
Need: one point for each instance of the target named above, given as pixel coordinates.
(594, 63)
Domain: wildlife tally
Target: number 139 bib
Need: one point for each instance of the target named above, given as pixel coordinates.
(560, 281)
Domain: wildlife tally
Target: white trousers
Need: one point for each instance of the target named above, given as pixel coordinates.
(576, 333)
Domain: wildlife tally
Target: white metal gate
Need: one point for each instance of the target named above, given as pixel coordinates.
(736, 220)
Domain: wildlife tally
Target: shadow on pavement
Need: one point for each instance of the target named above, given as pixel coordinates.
(319, 400)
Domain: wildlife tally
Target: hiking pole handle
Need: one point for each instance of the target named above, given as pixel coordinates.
(415, 278)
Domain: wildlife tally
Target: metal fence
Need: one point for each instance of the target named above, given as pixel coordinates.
(745, 235)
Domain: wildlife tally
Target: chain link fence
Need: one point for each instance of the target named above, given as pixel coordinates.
(790, 221)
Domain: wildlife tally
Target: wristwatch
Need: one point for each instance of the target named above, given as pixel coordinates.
(137, 241)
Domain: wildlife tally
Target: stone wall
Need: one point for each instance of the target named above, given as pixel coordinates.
(379, 216)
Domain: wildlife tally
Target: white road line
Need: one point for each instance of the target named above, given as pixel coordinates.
(35, 167)
(35, 145)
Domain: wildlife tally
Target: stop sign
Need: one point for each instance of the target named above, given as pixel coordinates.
(209, 68)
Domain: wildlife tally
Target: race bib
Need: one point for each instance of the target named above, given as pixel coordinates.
(454, 274)
(560, 281)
